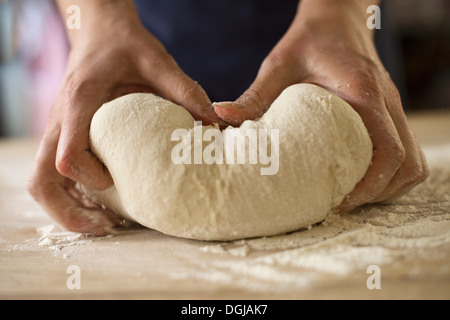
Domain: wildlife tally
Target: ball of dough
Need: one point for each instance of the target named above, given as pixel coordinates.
(324, 150)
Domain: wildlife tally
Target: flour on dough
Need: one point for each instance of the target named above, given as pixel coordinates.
(324, 151)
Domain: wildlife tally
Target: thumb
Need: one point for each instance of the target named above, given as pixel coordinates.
(273, 77)
(179, 88)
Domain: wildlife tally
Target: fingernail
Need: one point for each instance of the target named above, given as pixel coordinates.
(228, 105)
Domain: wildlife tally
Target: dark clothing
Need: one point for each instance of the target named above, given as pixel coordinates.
(220, 44)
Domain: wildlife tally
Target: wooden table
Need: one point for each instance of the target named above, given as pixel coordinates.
(329, 261)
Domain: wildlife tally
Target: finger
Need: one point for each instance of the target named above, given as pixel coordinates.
(405, 188)
(74, 158)
(414, 169)
(66, 208)
(172, 83)
(388, 152)
(55, 193)
(274, 76)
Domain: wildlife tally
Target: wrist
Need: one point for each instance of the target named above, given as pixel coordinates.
(100, 19)
(352, 11)
(330, 23)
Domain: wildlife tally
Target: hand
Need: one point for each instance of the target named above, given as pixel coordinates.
(328, 44)
(112, 55)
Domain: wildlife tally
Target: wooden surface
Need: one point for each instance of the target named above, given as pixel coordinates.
(141, 263)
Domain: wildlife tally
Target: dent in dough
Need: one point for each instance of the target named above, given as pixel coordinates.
(324, 150)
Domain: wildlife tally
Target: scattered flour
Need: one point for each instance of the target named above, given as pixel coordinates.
(414, 228)
(410, 228)
(239, 251)
(55, 239)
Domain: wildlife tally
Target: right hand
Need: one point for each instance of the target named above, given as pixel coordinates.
(110, 57)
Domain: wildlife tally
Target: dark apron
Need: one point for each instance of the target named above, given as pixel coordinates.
(220, 44)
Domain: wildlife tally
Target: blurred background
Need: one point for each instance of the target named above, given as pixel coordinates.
(414, 44)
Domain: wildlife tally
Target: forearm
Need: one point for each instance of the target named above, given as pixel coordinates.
(98, 17)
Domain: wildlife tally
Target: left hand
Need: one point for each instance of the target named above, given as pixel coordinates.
(329, 45)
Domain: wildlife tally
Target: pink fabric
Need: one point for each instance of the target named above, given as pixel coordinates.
(47, 71)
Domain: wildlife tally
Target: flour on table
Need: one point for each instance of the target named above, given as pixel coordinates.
(55, 239)
(413, 232)
(411, 227)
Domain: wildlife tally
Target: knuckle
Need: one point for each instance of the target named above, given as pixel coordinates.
(39, 189)
(394, 95)
(273, 62)
(37, 184)
(188, 90)
(34, 188)
(394, 91)
(253, 98)
(406, 179)
(280, 62)
(426, 172)
(77, 84)
(418, 174)
(66, 164)
(75, 81)
(397, 153)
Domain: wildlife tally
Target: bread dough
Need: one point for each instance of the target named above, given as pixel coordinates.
(324, 150)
